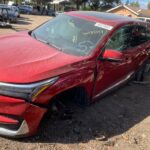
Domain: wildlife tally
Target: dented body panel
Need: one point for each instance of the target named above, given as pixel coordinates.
(25, 60)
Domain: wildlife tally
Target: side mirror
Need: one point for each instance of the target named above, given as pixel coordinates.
(112, 56)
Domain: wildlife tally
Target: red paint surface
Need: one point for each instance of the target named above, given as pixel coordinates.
(25, 60)
(7, 120)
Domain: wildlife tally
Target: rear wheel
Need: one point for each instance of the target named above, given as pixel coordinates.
(139, 76)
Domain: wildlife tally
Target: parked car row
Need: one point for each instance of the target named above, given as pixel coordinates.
(144, 19)
(25, 9)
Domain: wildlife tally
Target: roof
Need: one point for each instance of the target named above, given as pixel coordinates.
(130, 8)
(136, 10)
(144, 13)
(108, 18)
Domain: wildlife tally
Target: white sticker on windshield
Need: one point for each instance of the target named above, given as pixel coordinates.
(103, 26)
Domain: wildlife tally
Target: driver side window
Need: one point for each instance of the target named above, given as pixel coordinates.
(120, 40)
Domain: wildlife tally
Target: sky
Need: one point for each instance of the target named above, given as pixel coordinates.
(143, 3)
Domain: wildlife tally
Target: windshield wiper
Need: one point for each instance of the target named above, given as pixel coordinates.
(53, 45)
(43, 41)
(46, 42)
(33, 34)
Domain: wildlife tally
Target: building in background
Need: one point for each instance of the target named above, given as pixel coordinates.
(130, 11)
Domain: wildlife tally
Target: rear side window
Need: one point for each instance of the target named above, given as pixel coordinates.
(128, 37)
(140, 34)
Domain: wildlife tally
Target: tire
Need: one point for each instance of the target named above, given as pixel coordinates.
(139, 76)
(81, 98)
(147, 68)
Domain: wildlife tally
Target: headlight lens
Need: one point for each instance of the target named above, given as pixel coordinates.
(25, 91)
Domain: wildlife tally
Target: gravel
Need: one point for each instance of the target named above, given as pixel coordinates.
(119, 121)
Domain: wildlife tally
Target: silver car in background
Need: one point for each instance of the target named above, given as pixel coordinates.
(8, 14)
(144, 19)
(15, 10)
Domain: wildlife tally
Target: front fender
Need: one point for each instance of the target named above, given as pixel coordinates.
(79, 77)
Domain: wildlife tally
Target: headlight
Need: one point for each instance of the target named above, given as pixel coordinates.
(25, 91)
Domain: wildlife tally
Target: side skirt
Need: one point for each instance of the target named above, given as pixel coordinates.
(114, 86)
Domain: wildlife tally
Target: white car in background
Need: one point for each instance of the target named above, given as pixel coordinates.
(144, 19)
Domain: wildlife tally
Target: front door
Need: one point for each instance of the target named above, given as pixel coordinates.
(110, 73)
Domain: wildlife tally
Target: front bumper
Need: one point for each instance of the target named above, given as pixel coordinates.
(22, 131)
(19, 118)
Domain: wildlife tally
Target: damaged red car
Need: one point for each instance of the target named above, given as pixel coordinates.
(84, 53)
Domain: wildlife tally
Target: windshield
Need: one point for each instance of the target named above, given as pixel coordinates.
(71, 35)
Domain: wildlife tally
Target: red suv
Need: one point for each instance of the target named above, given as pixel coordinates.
(81, 54)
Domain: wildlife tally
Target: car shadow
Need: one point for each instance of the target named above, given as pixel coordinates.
(24, 18)
(23, 22)
(18, 29)
(112, 115)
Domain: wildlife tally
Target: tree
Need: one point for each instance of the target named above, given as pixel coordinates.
(127, 2)
(135, 4)
(148, 5)
(78, 3)
(95, 4)
(40, 2)
(17, 1)
(3, 1)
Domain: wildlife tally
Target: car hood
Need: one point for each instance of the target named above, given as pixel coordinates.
(24, 59)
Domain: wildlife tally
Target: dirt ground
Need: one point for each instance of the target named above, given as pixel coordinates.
(119, 121)
(26, 22)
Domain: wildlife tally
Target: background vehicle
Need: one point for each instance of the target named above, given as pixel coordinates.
(78, 56)
(144, 19)
(16, 10)
(8, 14)
(25, 9)
(51, 12)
